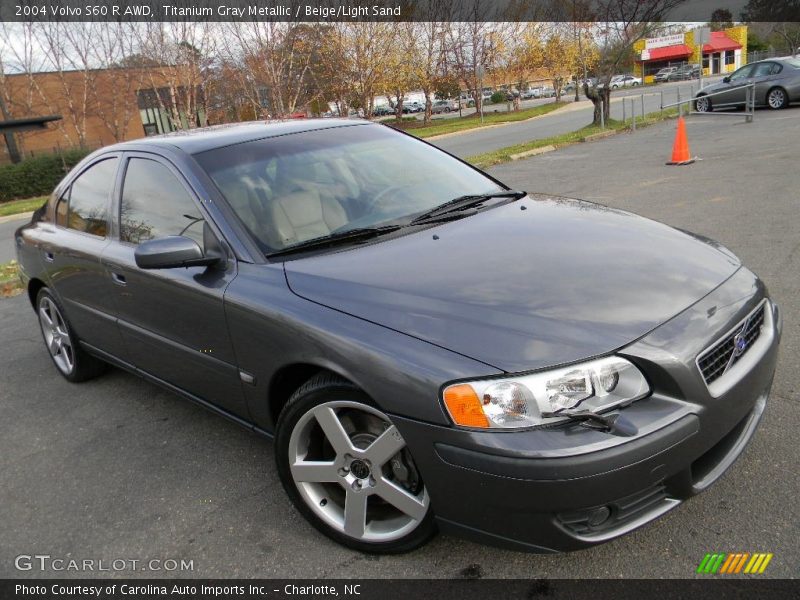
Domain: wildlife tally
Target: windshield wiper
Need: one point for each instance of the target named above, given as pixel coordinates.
(350, 235)
(615, 424)
(463, 202)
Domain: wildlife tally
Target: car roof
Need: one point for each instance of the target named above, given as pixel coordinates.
(194, 141)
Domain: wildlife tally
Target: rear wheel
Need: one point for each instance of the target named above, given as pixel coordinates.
(702, 104)
(74, 363)
(346, 467)
(777, 98)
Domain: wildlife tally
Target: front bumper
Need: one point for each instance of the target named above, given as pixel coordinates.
(566, 488)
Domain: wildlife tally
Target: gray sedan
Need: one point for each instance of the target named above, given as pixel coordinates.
(777, 84)
(429, 349)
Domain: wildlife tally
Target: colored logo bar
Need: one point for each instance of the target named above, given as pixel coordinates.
(723, 563)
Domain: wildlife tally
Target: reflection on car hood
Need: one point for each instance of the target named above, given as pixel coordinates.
(522, 289)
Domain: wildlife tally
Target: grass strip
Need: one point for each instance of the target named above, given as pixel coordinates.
(452, 125)
(503, 155)
(14, 207)
(10, 284)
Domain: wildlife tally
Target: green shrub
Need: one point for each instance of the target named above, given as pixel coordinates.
(498, 97)
(37, 176)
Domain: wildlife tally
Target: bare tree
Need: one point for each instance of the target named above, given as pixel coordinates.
(620, 24)
(363, 50)
(182, 54)
(28, 57)
(272, 62)
(114, 98)
(430, 50)
(474, 47)
(69, 51)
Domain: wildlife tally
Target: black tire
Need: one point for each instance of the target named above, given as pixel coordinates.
(318, 390)
(703, 104)
(75, 365)
(777, 98)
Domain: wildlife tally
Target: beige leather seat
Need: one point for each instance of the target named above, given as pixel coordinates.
(248, 197)
(302, 215)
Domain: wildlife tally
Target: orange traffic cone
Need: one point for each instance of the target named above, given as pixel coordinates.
(680, 150)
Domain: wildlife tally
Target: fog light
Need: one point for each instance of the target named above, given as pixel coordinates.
(598, 516)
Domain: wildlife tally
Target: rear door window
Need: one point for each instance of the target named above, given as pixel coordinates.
(89, 198)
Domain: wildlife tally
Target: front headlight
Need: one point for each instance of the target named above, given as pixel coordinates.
(545, 398)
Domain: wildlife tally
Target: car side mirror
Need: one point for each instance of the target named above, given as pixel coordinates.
(172, 251)
(726, 79)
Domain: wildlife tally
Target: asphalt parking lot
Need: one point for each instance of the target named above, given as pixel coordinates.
(119, 469)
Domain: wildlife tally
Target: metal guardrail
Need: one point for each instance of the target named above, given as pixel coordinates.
(749, 104)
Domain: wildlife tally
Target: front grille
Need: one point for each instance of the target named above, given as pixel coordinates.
(621, 511)
(715, 361)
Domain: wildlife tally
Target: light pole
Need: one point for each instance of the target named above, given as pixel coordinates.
(479, 72)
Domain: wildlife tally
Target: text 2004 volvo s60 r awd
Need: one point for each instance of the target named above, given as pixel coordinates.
(429, 348)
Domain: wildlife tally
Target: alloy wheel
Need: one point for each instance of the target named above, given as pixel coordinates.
(351, 467)
(776, 98)
(702, 104)
(56, 335)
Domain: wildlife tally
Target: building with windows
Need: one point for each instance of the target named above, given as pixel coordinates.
(724, 52)
(98, 107)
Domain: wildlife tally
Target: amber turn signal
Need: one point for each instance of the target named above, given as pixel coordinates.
(464, 406)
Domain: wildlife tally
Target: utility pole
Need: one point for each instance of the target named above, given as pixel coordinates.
(11, 141)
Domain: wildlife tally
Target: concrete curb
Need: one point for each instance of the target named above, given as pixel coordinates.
(534, 152)
(17, 217)
(602, 134)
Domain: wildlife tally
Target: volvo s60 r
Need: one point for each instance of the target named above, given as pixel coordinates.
(430, 349)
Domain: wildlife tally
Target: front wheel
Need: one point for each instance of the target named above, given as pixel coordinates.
(702, 104)
(777, 98)
(347, 469)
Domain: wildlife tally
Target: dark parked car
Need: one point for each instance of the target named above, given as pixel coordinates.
(665, 74)
(429, 348)
(685, 72)
(777, 84)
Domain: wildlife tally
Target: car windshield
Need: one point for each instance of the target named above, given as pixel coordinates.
(305, 186)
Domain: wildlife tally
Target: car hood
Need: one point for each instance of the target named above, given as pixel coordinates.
(517, 289)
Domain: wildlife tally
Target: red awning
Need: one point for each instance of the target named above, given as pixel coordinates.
(668, 52)
(720, 42)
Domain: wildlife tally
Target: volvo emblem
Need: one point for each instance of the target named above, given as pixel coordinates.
(739, 344)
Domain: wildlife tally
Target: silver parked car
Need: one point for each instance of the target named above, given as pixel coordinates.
(443, 106)
(777, 84)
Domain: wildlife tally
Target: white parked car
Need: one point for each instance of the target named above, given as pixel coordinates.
(619, 81)
(413, 107)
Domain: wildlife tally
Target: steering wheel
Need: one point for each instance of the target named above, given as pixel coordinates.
(382, 196)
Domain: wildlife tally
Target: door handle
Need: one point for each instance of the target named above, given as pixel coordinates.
(49, 256)
(118, 278)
